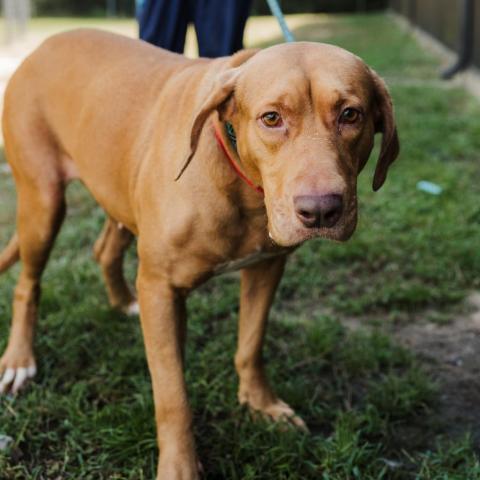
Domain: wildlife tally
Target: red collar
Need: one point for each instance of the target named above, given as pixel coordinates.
(233, 163)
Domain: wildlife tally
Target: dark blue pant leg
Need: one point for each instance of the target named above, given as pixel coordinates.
(164, 23)
(219, 25)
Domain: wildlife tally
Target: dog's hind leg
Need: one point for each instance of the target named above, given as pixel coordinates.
(109, 251)
(40, 211)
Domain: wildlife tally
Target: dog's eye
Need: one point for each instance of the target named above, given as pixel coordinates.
(272, 119)
(349, 115)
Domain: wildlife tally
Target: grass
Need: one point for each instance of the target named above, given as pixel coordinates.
(371, 404)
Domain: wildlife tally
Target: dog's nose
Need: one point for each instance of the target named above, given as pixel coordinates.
(316, 211)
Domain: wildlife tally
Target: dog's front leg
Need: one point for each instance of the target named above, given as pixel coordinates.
(258, 286)
(162, 314)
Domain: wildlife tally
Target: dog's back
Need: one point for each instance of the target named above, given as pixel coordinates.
(90, 91)
(75, 74)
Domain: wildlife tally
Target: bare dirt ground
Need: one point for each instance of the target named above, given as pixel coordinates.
(450, 353)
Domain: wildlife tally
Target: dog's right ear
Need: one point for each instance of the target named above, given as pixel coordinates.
(223, 90)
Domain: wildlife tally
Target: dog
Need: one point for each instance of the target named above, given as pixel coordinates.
(214, 164)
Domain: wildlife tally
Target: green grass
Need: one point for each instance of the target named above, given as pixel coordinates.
(371, 404)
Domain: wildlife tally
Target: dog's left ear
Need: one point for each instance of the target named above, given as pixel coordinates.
(222, 91)
(385, 123)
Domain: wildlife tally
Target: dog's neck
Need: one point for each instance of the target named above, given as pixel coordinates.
(230, 133)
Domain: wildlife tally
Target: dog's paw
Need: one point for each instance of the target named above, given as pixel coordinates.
(131, 309)
(13, 377)
(282, 413)
(273, 409)
(17, 366)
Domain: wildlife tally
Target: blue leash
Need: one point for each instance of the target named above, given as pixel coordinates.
(277, 12)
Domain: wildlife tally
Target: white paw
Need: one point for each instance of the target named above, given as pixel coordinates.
(132, 309)
(14, 379)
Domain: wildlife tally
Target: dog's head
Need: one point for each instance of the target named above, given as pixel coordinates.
(305, 115)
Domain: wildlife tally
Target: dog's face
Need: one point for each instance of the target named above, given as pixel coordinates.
(305, 116)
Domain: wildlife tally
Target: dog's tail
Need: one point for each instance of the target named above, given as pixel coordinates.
(10, 255)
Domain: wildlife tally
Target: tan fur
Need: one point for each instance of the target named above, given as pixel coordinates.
(125, 118)
(10, 255)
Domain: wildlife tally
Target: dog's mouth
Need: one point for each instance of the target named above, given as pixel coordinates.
(288, 231)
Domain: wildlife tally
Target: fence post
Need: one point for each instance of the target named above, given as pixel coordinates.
(465, 54)
(111, 8)
(412, 10)
(361, 5)
(16, 14)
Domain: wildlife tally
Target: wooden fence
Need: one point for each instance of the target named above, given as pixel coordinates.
(442, 19)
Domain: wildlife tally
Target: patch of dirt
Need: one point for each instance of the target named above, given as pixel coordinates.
(451, 354)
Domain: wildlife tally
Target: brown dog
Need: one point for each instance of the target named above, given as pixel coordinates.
(126, 118)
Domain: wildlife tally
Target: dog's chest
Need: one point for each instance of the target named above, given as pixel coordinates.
(248, 260)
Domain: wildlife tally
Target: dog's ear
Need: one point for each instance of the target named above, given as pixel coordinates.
(222, 91)
(385, 123)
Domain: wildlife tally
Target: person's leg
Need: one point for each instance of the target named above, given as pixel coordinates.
(164, 23)
(219, 25)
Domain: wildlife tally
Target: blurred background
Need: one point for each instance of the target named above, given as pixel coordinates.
(127, 7)
(455, 23)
